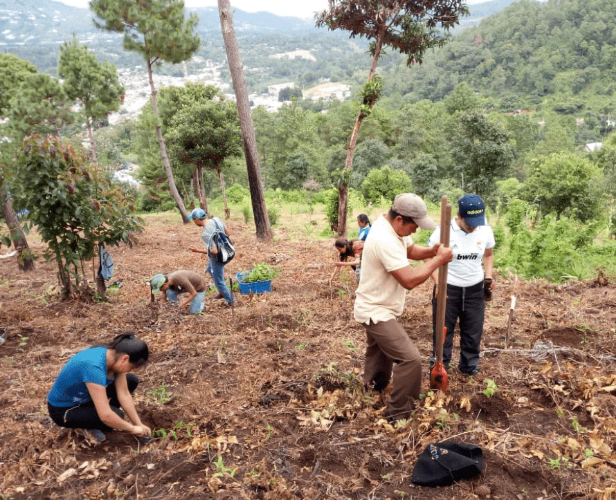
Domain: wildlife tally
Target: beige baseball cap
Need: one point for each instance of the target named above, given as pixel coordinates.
(411, 205)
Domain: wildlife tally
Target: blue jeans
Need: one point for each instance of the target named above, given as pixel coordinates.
(217, 271)
(196, 306)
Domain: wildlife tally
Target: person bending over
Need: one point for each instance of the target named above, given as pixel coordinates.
(172, 285)
(95, 383)
(350, 255)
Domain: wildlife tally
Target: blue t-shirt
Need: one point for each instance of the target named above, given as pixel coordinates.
(363, 233)
(70, 389)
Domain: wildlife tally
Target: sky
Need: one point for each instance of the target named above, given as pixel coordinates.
(302, 8)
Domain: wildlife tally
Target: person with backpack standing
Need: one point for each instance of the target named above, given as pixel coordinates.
(214, 230)
(469, 283)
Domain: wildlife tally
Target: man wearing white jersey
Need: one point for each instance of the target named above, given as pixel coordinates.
(472, 241)
(386, 275)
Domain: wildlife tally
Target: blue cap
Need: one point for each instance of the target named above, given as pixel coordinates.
(198, 213)
(472, 210)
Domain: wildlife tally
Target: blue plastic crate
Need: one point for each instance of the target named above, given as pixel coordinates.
(256, 287)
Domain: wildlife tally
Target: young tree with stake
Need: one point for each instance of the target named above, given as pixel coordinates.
(411, 27)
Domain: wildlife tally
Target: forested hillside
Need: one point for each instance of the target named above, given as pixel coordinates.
(34, 31)
(558, 55)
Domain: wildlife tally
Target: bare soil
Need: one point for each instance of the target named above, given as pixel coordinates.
(266, 402)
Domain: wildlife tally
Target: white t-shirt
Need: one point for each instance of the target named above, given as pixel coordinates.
(379, 296)
(468, 250)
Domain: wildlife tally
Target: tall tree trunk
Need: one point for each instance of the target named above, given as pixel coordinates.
(192, 193)
(343, 191)
(224, 193)
(24, 261)
(259, 209)
(201, 192)
(92, 142)
(64, 276)
(163, 150)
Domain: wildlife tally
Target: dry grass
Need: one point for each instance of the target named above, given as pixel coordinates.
(275, 396)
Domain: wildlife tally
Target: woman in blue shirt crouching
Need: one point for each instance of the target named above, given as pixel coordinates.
(93, 386)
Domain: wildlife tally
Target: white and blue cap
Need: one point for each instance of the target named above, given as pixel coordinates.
(198, 213)
(472, 209)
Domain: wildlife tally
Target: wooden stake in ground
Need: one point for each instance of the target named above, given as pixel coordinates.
(232, 299)
(511, 309)
(438, 374)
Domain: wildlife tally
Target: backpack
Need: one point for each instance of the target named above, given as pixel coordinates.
(105, 269)
(442, 464)
(224, 245)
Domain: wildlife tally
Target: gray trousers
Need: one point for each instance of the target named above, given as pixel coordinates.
(390, 349)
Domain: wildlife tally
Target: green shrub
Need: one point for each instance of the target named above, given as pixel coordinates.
(499, 236)
(168, 204)
(148, 204)
(321, 196)
(292, 196)
(273, 213)
(247, 213)
(237, 193)
(331, 208)
(385, 182)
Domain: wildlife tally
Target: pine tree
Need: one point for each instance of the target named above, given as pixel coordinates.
(94, 85)
(13, 70)
(259, 209)
(38, 106)
(33, 103)
(159, 31)
(203, 131)
(411, 27)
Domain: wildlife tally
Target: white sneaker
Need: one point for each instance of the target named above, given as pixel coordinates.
(1, 341)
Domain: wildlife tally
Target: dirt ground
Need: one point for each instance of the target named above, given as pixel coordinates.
(266, 402)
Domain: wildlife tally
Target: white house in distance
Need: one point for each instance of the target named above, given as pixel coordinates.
(593, 146)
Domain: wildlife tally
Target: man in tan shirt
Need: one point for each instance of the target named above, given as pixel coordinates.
(386, 275)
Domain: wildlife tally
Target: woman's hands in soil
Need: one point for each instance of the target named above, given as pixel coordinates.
(141, 430)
